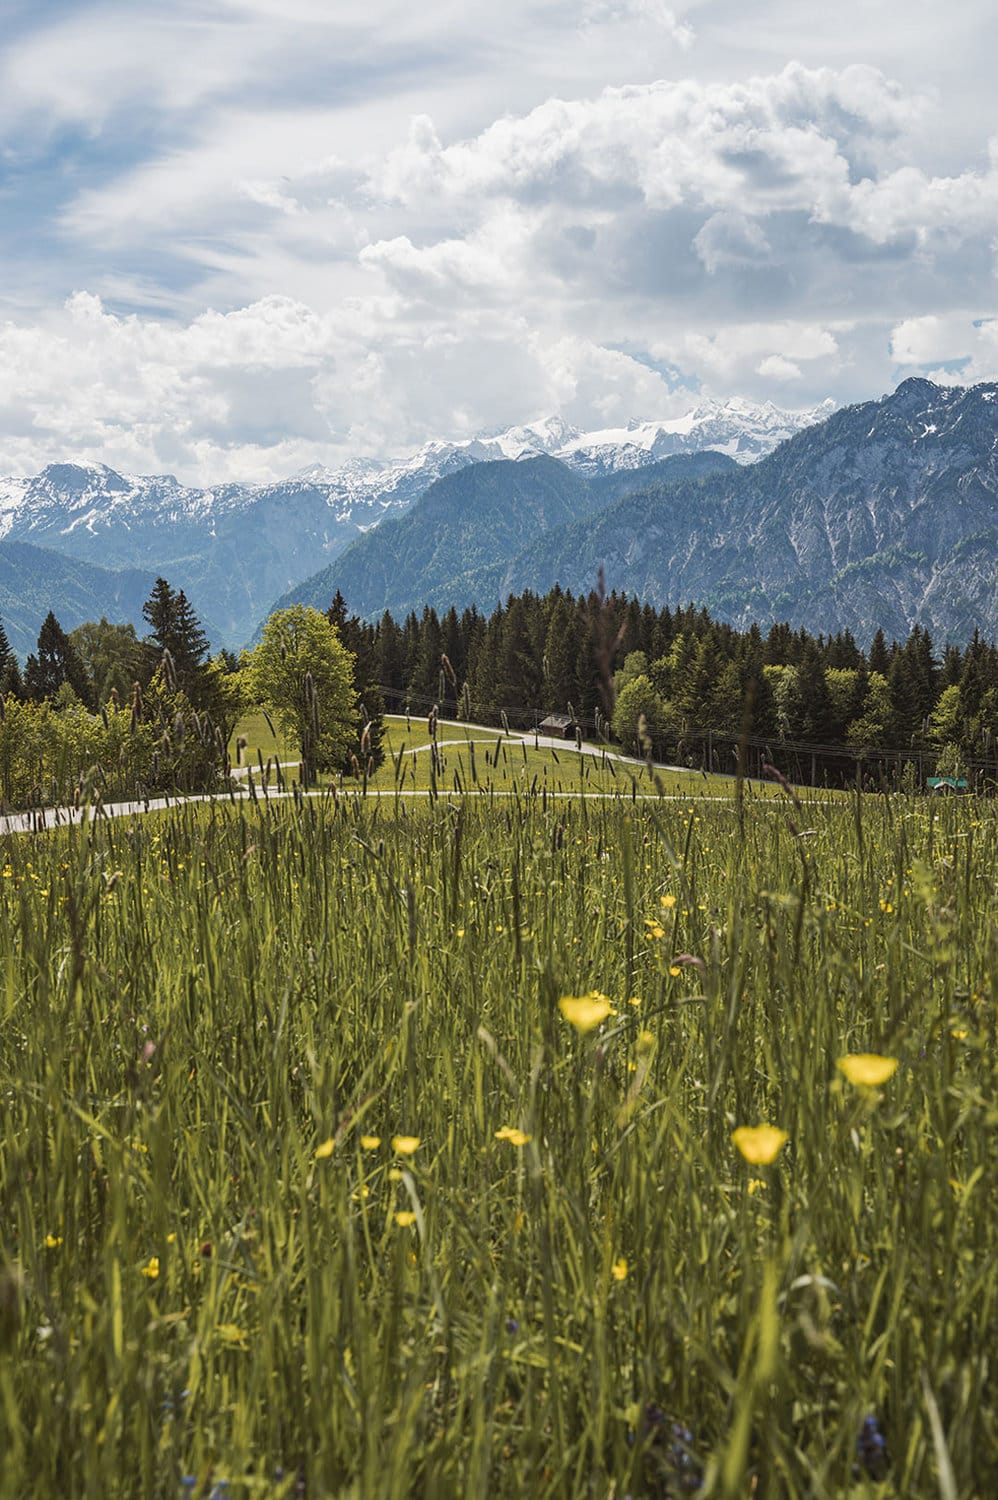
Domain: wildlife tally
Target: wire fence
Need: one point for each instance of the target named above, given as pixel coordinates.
(721, 750)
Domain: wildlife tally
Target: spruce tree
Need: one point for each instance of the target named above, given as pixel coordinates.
(11, 685)
(389, 654)
(880, 657)
(361, 641)
(561, 655)
(57, 662)
(174, 627)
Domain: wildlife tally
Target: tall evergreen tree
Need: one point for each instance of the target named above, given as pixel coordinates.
(11, 684)
(424, 680)
(389, 654)
(561, 656)
(57, 663)
(360, 640)
(174, 627)
(879, 657)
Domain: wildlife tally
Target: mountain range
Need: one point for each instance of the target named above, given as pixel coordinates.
(883, 515)
(878, 515)
(234, 548)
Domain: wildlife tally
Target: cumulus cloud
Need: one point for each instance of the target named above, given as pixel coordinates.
(296, 231)
(954, 347)
(263, 390)
(777, 367)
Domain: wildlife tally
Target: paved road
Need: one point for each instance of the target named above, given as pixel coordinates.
(42, 819)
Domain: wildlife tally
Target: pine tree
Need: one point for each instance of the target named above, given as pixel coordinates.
(361, 641)
(174, 627)
(190, 642)
(519, 670)
(814, 702)
(561, 655)
(880, 657)
(57, 663)
(424, 682)
(388, 655)
(11, 685)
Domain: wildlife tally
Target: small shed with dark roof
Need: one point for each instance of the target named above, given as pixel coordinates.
(562, 726)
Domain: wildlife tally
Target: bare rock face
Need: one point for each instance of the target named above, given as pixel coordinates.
(883, 516)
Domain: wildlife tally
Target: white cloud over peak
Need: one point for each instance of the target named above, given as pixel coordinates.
(245, 235)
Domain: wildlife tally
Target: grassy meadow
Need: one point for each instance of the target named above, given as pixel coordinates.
(465, 758)
(311, 1185)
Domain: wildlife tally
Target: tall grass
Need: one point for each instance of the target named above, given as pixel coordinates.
(214, 1265)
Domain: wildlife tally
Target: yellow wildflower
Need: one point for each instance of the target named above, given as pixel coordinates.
(586, 1011)
(405, 1145)
(151, 1268)
(667, 902)
(511, 1134)
(759, 1144)
(370, 1142)
(405, 1217)
(619, 1269)
(867, 1069)
(53, 1241)
(325, 1150)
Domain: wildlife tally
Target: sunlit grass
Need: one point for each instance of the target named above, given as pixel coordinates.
(305, 1166)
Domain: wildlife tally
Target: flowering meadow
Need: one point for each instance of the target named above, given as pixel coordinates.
(457, 1147)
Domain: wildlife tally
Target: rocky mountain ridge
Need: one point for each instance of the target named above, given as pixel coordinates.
(883, 516)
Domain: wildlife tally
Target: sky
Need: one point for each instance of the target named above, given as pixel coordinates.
(239, 237)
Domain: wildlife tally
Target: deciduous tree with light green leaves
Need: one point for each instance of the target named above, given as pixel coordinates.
(304, 674)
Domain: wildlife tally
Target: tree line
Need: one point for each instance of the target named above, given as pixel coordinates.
(674, 683)
(695, 689)
(100, 713)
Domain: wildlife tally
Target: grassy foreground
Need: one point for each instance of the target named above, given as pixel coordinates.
(307, 1184)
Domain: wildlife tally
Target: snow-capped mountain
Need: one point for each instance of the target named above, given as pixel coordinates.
(743, 431)
(883, 516)
(236, 547)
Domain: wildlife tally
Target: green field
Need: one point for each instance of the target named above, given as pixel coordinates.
(472, 759)
(307, 1183)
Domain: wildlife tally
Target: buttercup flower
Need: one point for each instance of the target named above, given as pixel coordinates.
(759, 1144)
(867, 1069)
(405, 1145)
(586, 1011)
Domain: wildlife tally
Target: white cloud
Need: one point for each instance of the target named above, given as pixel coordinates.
(968, 345)
(600, 13)
(259, 392)
(357, 226)
(776, 367)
